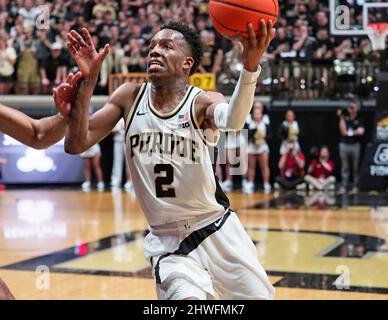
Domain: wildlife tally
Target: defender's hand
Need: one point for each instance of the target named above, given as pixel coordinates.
(84, 53)
(65, 94)
(256, 45)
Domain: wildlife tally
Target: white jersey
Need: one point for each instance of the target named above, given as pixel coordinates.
(169, 162)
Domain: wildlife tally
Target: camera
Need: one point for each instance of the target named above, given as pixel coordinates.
(343, 111)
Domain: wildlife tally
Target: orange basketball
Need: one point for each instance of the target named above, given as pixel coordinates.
(232, 16)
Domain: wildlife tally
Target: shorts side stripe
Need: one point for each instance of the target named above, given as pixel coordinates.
(192, 242)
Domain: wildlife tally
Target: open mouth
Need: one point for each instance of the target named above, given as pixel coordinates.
(154, 65)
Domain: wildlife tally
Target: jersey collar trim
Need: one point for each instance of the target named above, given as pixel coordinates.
(174, 111)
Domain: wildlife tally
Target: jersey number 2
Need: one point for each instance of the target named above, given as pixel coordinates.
(161, 183)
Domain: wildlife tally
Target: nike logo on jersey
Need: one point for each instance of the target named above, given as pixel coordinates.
(138, 113)
(217, 223)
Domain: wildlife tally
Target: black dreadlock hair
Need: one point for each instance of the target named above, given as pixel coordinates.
(191, 37)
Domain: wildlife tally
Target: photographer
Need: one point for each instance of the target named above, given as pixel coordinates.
(351, 130)
(291, 165)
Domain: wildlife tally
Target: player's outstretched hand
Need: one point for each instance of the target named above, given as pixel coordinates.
(256, 44)
(84, 53)
(65, 94)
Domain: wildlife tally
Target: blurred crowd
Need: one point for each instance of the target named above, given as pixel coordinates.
(297, 168)
(302, 57)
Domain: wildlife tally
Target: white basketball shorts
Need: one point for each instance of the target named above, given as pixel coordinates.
(217, 260)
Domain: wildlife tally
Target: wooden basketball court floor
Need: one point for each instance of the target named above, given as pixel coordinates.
(67, 244)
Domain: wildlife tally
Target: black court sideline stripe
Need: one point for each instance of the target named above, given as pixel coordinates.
(192, 242)
(134, 107)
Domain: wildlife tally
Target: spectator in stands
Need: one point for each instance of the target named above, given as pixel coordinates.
(232, 64)
(323, 51)
(201, 24)
(352, 130)
(28, 81)
(325, 45)
(74, 10)
(142, 17)
(344, 50)
(280, 70)
(289, 131)
(135, 57)
(17, 30)
(58, 11)
(153, 6)
(281, 43)
(151, 26)
(303, 43)
(212, 54)
(92, 158)
(119, 158)
(135, 33)
(302, 33)
(365, 54)
(302, 72)
(122, 21)
(104, 6)
(43, 46)
(291, 165)
(60, 30)
(258, 150)
(29, 12)
(320, 172)
(313, 6)
(7, 62)
(131, 7)
(113, 63)
(302, 12)
(321, 21)
(53, 69)
(4, 15)
(114, 33)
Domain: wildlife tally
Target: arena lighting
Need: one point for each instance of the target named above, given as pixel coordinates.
(35, 160)
(27, 165)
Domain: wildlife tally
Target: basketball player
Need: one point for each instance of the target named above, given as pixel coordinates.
(197, 246)
(42, 133)
(38, 134)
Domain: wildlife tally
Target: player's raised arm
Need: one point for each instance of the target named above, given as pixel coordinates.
(83, 133)
(44, 132)
(232, 115)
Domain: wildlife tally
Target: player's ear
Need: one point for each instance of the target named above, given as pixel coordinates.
(188, 63)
